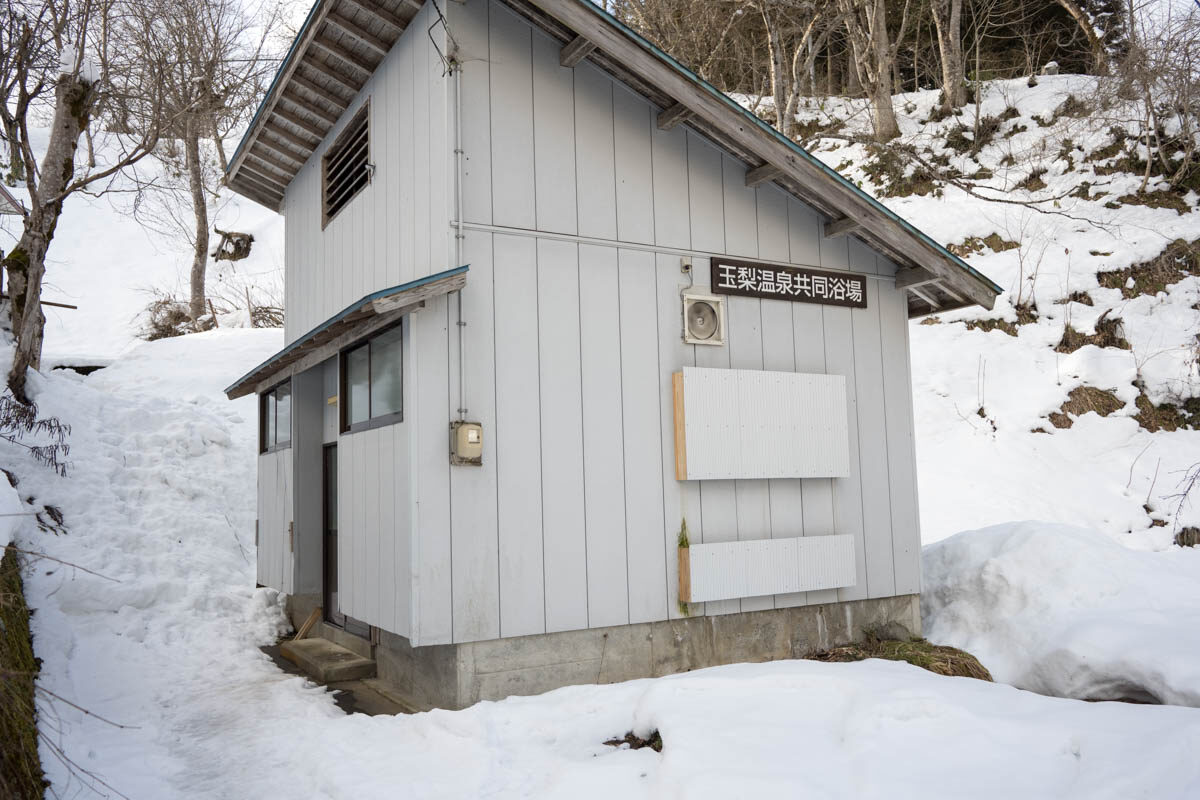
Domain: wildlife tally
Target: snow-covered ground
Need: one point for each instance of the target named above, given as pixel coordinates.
(976, 471)
(159, 501)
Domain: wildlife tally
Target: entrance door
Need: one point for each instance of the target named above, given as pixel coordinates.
(333, 611)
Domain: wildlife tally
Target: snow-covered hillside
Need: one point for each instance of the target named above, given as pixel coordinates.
(104, 260)
(987, 446)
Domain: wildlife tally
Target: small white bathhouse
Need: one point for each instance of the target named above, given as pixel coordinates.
(588, 373)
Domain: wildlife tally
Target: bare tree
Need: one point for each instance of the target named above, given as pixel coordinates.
(947, 20)
(1095, 41)
(219, 71)
(867, 27)
(70, 91)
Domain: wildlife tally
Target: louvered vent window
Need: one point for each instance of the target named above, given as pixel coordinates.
(346, 168)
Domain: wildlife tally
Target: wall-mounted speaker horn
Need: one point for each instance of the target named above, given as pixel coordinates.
(703, 319)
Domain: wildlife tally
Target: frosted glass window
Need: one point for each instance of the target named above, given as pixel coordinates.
(387, 395)
(275, 418)
(283, 414)
(358, 385)
(373, 382)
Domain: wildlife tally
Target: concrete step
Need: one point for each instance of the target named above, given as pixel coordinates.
(326, 662)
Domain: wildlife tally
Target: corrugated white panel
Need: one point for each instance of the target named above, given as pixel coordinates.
(728, 570)
(758, 424)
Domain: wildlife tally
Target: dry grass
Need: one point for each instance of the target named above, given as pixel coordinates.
(918, 652)
(1080, 401)
(653, 741)
(1161, 199)
(975, 244)
(1083, 298)
(1167, 417)
(1179, 260)
(1109, 333)
(1025, 316)
(1034, 182)
(1188, 537)
(20, 768)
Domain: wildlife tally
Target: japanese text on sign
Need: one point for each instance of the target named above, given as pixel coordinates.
(788, 283)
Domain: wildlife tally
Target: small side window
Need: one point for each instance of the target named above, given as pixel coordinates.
(275, 418)
(373, 381)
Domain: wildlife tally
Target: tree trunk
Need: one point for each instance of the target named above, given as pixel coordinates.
(25, 264)
(16, 159)
(1099, 57)
(191, 144)
(853, 81)
(780, 82)
(886, 127)
(947, 19)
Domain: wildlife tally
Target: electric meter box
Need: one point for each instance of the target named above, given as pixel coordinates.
(466, 443)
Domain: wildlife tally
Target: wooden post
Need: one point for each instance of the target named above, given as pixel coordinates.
(685, 575)
(680, 429)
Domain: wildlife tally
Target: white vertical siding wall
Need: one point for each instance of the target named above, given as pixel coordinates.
(570, 346)
(395, 230)
(274, 515)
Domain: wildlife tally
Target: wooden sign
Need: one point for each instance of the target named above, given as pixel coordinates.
(797, 284)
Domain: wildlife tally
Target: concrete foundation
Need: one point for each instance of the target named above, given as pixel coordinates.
(459, 675)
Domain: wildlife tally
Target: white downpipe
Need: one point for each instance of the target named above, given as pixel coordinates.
(458, 232)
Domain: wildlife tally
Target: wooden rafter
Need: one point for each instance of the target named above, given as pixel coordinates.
(300, 122)
(841, 227)
(317, 90)
(260, 175)
(332, 75)
(672, 116)
(762, 174)
(927, 296)
(354, 31)
(289, 137)
(342, 54)
(909, 277)
(265, 189)
(268, 144)
(575, 51)
(382, 14)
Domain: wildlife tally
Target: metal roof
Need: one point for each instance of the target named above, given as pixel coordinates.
(384, 306)
(343, 41)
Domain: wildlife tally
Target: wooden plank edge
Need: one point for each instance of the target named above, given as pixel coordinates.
(680, 427)
(685, 575)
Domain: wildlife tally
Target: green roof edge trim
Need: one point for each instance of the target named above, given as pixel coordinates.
(800, 151)
(350, 309)
(697, 80)
(283, 65)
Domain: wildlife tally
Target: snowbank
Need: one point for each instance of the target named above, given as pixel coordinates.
(1068, 612)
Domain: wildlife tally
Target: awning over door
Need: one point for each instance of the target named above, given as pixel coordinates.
(360, 319)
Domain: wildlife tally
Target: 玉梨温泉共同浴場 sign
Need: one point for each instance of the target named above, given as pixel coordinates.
(798, 284)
